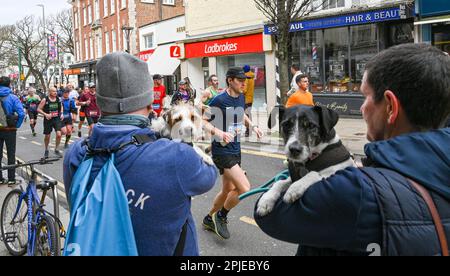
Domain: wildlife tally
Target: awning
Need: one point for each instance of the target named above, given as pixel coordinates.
(161, 62)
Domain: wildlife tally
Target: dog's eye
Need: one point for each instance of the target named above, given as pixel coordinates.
(192, 117)
(177, 120)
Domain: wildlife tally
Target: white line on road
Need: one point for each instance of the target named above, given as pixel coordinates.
(23, 138)
(36, 143)
(249, 221)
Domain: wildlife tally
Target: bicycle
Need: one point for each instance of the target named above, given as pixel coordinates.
(28, 228)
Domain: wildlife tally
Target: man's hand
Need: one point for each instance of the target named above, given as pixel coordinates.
(88, 102)
(259, 133)
(48, 116)
(225, 136)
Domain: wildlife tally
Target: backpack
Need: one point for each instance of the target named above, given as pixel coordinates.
(6, 121)
(100, 222)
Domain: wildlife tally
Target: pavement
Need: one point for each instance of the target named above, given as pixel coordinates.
(261, 159)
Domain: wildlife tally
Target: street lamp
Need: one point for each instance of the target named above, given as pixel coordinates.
(43, 15)
(127, 30)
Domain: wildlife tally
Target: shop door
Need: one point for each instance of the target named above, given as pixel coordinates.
(441, 37)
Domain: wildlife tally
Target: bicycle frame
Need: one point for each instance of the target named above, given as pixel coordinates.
(33, 216)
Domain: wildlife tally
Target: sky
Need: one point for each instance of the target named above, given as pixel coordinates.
(13, 10)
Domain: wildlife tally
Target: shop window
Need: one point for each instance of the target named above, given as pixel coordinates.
(311, 61)
(364, 45)
(441, 37)
(336, 60)
(400, 33)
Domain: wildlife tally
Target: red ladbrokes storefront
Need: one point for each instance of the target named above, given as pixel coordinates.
(230, 52)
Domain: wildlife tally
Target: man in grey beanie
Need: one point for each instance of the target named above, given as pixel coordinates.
(159, 176)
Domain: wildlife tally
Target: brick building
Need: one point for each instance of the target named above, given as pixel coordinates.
(106, 26)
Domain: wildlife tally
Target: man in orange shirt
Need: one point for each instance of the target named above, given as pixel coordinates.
(302, 96)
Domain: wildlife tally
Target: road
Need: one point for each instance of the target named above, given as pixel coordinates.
(247, 239)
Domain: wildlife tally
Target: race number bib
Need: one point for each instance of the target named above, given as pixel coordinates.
(54, 114)
(156, 106)
(93, 114)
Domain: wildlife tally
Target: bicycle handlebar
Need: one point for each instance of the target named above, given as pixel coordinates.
(43, 161)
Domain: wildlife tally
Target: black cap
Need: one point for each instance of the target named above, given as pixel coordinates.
(236, 72)
(157, 77)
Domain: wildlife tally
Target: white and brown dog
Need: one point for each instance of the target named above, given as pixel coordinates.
(314, 151)
(184, 123)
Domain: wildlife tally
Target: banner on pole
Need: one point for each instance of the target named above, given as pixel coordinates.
(53, 47)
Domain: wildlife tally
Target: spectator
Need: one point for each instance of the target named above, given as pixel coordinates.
(356, 208)
(159, 94)
(14, 113)
(249, 94)
(302, 96)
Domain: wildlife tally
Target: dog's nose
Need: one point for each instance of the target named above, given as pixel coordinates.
(295, 149)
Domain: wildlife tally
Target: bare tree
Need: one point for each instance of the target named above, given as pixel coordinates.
(62, 25)
(32, 42)
(8, 53)
(281, 13)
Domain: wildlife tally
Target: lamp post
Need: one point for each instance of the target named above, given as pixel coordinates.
(44, 37)
(127, 30)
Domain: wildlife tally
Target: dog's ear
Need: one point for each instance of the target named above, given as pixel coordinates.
(328, 119)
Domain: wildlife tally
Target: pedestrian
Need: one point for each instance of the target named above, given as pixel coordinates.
(51, 108)
(159, 94)
(69, 108)
(92, 111)
(190, 88)
(249, 93)
(212, 91)
(295, 71)
(226, 151)
(182, 95)
(302, 96)
(14, 115)
(82, 116)
(32, 102)
(359, 209)
(160, 177)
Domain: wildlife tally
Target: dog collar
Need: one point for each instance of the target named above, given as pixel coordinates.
(330, 156)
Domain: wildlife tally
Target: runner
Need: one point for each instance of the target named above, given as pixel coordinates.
(69, 108)
(89, 101)
(227, 151)
(31, 103)
(51, 108)
(82, 111)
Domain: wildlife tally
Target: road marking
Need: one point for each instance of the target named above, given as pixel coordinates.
(23, 138)
(264, 154)
(249, 221)
(36, 143)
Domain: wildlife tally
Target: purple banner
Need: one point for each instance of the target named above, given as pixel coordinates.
(52, 41)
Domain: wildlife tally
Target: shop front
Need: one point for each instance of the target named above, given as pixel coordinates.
(434, 22)
(334, 51)
(205, 58)
(84, 71)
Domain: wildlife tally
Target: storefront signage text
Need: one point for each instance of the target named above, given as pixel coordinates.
(345, 20)
(223, 47)
(145, 55)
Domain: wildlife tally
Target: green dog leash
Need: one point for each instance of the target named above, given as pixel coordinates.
(266, 187)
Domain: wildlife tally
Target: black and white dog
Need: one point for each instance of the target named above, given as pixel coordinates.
(314, 151)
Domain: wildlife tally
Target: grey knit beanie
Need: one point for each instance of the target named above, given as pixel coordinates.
(124, 84)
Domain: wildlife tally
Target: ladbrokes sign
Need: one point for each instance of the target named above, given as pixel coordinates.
(225, 47)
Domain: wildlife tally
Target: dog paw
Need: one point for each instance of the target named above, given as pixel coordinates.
(208, 160)
(291, 197)
(266, 204)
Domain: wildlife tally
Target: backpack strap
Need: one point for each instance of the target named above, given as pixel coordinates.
(138, 140)
(182, 242)
(434, 214)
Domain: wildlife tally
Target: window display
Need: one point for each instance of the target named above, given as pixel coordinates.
(336, 60)
(364, 45)
(311, 52)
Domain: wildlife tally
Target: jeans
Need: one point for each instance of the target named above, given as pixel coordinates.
(8, 137)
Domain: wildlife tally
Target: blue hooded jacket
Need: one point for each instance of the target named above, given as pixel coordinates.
(342, 213)
(12, 105)
(159, 178)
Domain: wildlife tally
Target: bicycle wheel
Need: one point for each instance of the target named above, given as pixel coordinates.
(14, 233)
(45, 243)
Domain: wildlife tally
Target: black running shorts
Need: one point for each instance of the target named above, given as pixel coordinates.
(224, 162)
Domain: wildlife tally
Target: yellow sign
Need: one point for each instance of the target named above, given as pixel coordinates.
(22, 77)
